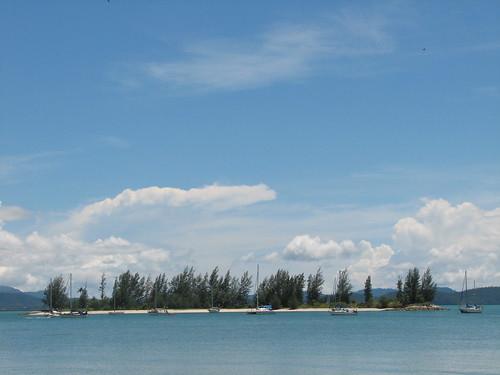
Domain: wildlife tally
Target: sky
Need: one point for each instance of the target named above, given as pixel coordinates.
(154, 135)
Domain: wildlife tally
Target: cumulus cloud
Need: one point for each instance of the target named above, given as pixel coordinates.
(283, 53)
(305, 247)
(216, 197)
(448, 238)
(451, 238)
(361, 258)
(29, 262)
(11, 213)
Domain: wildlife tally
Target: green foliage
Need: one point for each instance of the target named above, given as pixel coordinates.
(282, 289)
(383, 302)
(412, 287)
(314, 286)
(399, 294)
(344, 287)
(95, 304)
(428, 288)
(102, 286)
(368, 292)
(130, 290)
(83, 300)
(276, 302)
(55, 293)
(185, 290)
(293, 303)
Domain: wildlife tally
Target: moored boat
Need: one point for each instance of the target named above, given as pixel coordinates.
(260, 309)
(213, 309)
(466, 307)
(340, 309)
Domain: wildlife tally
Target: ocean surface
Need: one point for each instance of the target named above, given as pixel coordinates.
(288, 343)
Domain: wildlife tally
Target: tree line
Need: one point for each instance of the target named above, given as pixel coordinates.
(189, 289)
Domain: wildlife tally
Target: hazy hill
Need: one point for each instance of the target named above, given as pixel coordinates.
(483, 296)
(444, 295)
(14, 299)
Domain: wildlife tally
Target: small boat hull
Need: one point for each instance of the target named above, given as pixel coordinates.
(471, 310)
(41, 314)
(160, 312)
(74, 314)
(344, 312)
(262, 310)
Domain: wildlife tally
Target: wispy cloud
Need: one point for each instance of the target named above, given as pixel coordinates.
(12, 166)
(11, 213)
(283, 53)
(114, 141)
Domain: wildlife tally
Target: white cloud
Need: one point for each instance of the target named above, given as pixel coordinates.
(284, 53)
(12, 167)
(27, 263)
(362, 258)
(216, 197)
(448, 238)
(452, 238)
(11, 213)
(307, 248)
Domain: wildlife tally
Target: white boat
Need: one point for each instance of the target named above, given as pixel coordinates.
(50, 313)
(156, 311)
(42, 314)
(465, 307)
(72, 313)
(159, 311)
(339, 309)
(264, 310)
(260, 309)
(213, 309)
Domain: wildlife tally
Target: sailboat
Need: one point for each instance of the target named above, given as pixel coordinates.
(260, 309)
(155, 309)
(213, 309)
(50, 313)
(339, 309)
(465, 307)
(72, 313)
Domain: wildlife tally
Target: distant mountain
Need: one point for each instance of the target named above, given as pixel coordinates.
(14, 299)
(483, 296)
(359, 296)
(39, 294)
(8, 289)
(444, 295)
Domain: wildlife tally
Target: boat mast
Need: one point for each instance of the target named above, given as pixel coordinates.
(50, 295)
(70, 292)
(114, 296)
(257, 289)
(466, 287)
(156, 293)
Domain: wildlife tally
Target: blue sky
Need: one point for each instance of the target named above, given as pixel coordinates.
(350, 113)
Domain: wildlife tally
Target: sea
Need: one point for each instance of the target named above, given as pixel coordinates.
(441, 342)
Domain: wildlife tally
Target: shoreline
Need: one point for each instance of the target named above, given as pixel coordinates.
(246, 310)
(228, 311)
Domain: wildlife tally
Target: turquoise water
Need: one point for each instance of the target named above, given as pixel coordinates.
(294, 343)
